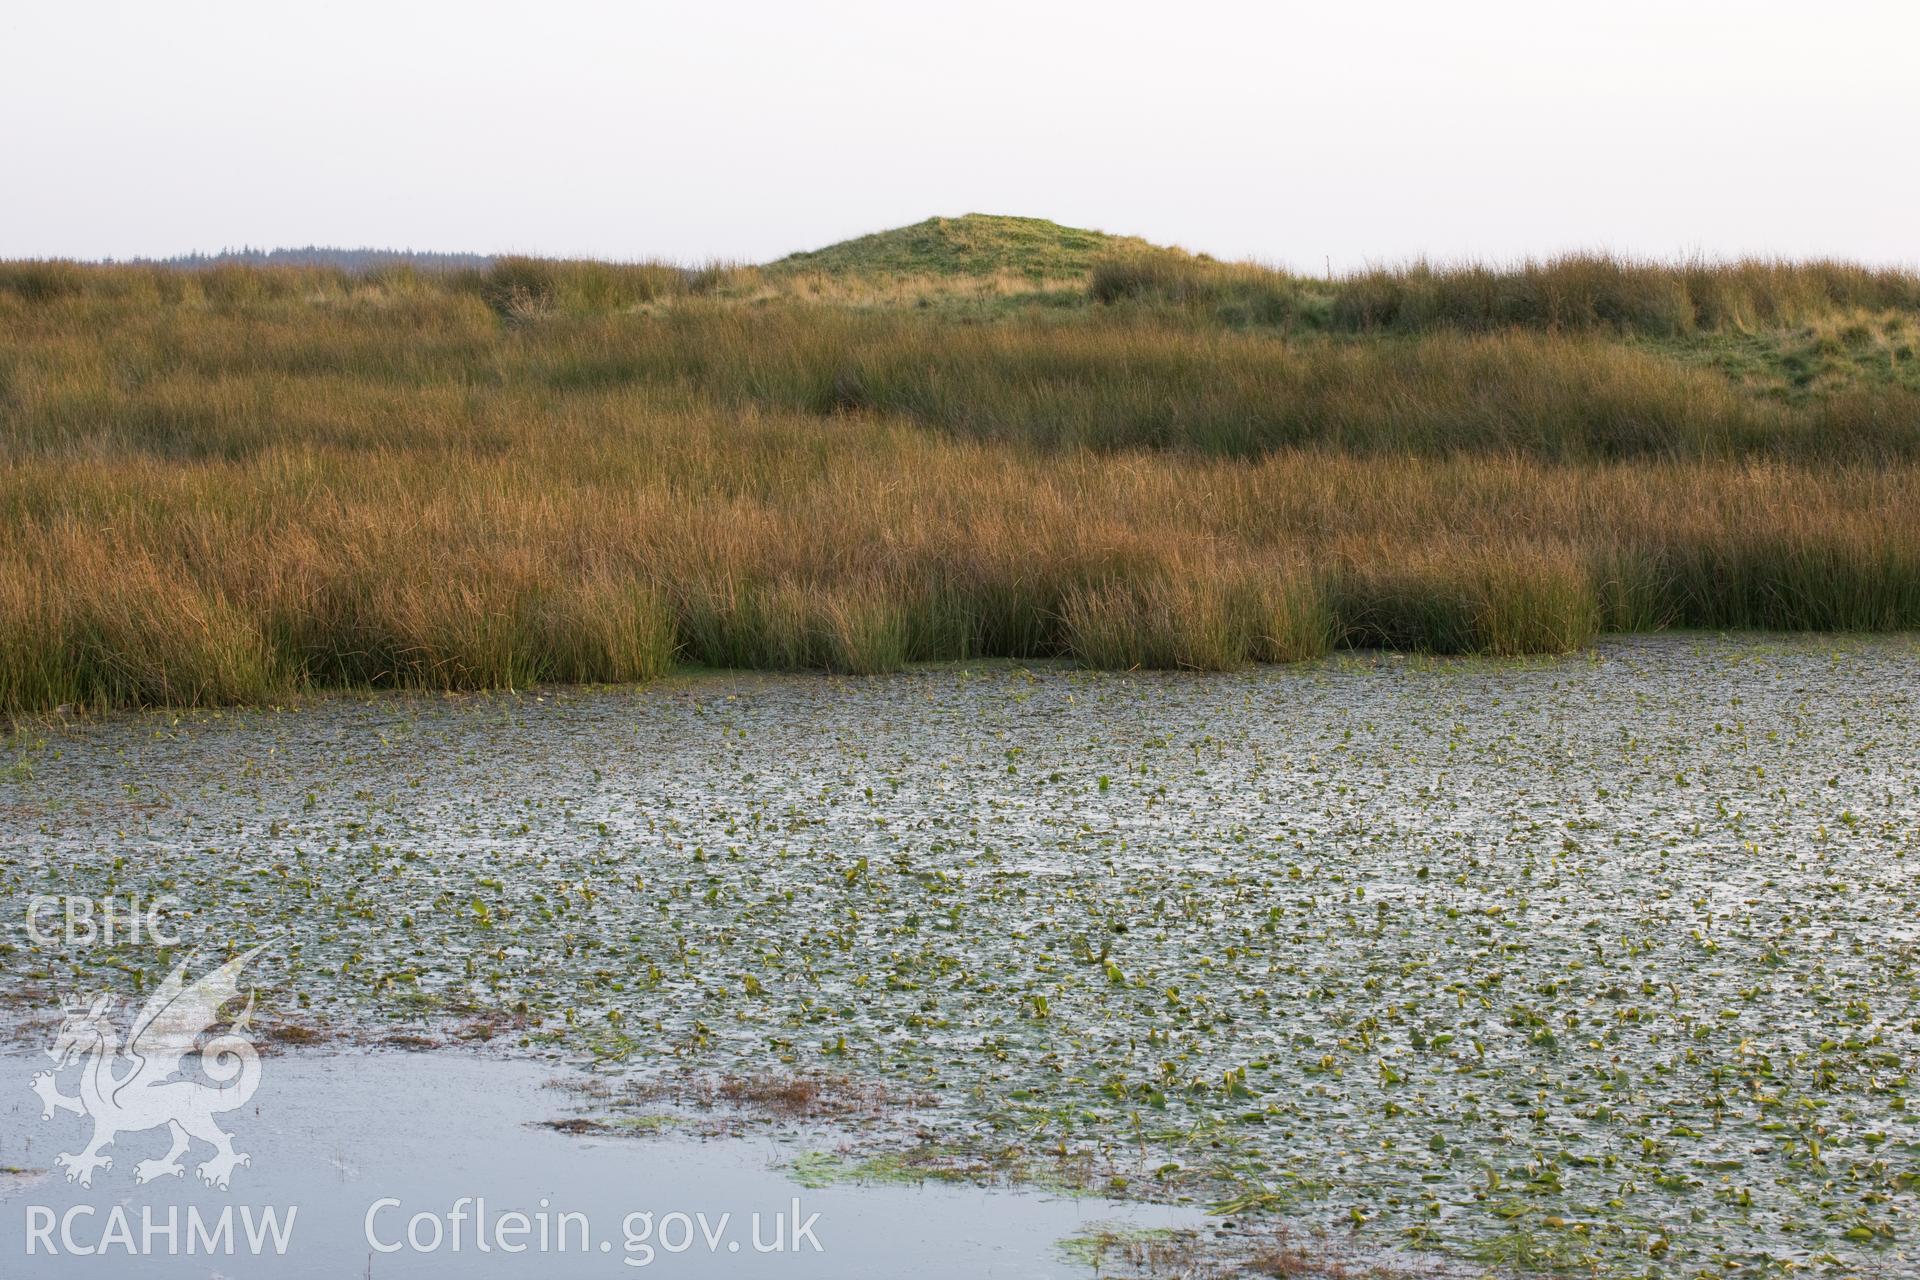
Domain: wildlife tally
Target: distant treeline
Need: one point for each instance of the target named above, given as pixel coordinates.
(357, 261)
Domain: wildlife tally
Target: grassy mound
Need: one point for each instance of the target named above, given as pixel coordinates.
(976, 244)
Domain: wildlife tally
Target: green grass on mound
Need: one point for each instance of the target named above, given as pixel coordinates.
(975, 244)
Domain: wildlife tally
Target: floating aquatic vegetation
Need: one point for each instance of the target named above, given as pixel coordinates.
(1606, 963)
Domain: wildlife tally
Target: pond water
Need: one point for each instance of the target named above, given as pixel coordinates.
(347, 1150)
(1606, 961)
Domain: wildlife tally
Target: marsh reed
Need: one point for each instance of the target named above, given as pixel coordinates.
(245, 483)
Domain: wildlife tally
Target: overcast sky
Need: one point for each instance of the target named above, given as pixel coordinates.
(1305, 134)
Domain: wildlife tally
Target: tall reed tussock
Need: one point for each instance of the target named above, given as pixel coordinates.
(242, 487)
(1199, 617)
